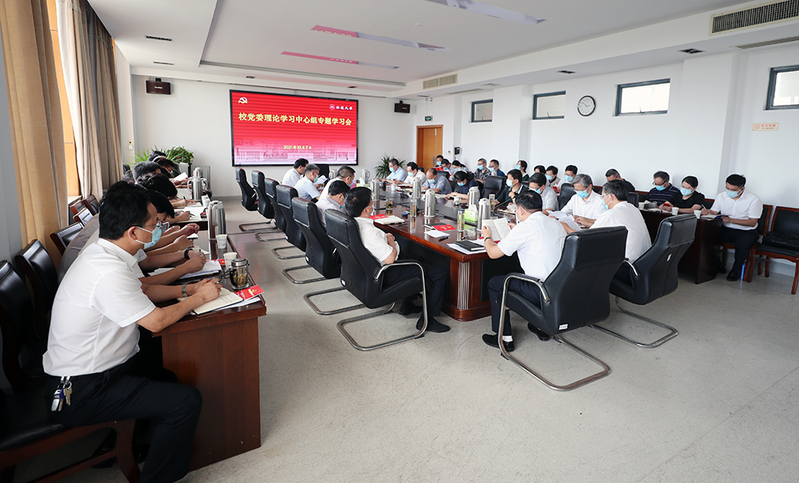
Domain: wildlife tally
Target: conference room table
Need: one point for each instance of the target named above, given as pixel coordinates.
(217, 353)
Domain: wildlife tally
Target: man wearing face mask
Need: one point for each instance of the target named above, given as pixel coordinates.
(437, 182)
(663, 190)
(414, 173)
(306, 186)
(493, 165)
(584, 205)
(462, 185)
(740, 212)
(538, 184)
(345, 174)
(482, 171)
(93, 343)
(336, 191)
(513, 187)
(397, 173)
(569, 172)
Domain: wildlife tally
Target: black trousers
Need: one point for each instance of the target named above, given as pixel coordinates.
(117, 394)
(743, 241)
(435, 282)
(528, 290)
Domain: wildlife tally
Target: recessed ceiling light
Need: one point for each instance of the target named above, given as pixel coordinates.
(153, 37)
(491, 11)
(566, 71)
(378, 38)
(336, 59)
(692, 51)
(163, 63)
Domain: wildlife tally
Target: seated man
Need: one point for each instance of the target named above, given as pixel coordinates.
(93, 340)
(663, 190)
(447, 167)
(336, 191)
(613, 175)
(145, 168)
(621, 213)
(414, 173)
(549, 199)
(688, 200)
(513, 187)
(462, 186)
(358, 204)
(306, 187)
(482, 171)
(397, 174)
(493, 165)
(437, 182)
(584, 205)
(293, 175)
(163, 185)
(569, 172)
(740, 212)
(540, 169)
(345, 174)
(552, 177)
(538, 240)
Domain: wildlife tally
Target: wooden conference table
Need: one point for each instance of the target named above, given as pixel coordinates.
(218, 354)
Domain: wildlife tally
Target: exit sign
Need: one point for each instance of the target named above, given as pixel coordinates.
(428, 118)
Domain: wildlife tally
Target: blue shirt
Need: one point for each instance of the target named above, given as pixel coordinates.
(399, 174)
(441, 183)
(464, 190)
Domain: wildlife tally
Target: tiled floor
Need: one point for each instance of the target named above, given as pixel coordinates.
(717, 403)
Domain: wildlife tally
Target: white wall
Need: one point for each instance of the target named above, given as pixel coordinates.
(197, 116)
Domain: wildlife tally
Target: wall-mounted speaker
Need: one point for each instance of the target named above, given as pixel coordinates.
(158, 87)
(402, 107)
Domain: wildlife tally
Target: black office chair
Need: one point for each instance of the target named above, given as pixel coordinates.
(62, 237)
(249, 199)
(574, 295)
(780, 242)
(293, 234)
(270, 188)
(265, 207)
(22, 347)
(319, 251)
(493, 186)
(654, 274)
(633, 198)
(566, 192)
(362, 276)
(43, 277)
(83, 216)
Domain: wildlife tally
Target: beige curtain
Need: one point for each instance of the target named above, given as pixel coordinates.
(35, 113)
(87, 57)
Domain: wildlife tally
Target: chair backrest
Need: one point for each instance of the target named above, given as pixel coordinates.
(708, 203)
(83, 216)
(43, 277)
(76, 206)
(16, 325)
(762, 223)
(293, 234)
(633, 198)
(598, 190)
(358, 266)
(657, 267)
(566, 192)
(319, 250)
(578, 286)
(270, 187)
(786, 220)
(265, 207)
(248, 196)
(493, 185)
(91, 203)
(63, 237)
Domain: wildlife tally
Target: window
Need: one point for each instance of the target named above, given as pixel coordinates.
(482, 111)
(643, 98)
(783, 88)
(549, 106)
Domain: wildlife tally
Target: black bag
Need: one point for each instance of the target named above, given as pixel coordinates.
(787, 241)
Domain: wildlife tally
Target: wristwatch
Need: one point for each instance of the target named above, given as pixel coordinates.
(183, 289)
(186, 253)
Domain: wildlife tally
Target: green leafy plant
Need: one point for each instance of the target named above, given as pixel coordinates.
(178, 154)
(381, 170)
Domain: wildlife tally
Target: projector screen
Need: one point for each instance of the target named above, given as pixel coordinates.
(275, 129)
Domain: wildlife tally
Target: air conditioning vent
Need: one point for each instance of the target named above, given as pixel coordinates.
(446, 80)
(768, 42)
(754, 16)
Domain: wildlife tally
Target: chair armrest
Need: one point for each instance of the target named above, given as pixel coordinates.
(632, 267)
(526, 278)
(398, 264)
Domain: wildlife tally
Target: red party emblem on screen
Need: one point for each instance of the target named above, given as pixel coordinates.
(242, 100)
(332, 107)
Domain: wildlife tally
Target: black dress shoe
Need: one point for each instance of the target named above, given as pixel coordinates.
(409, 309)
(541, 335)
(733, 275)
(491, 340)
(432, 325)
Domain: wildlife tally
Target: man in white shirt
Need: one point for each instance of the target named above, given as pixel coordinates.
(383, 246)
(538, 240)
(549, 198)
(296, 173)
(397, 173)
(584, 205)
(621, 213)
(345, 174)
(93, 340)
(306, 186)
(336, 191)
(414, 173)
(740, 212)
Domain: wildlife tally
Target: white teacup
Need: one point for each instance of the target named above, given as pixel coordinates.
(698, 213)
(675, 211)
(221, 242)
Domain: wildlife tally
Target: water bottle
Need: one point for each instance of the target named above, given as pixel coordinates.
(429, 204)
(474, 197)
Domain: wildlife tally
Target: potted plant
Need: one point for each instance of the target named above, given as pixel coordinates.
(382, 170)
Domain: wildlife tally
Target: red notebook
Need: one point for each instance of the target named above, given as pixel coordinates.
(250, 292)
(443, 227)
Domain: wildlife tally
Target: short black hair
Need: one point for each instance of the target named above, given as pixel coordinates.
(571, 168)
(554, 169)
(481, 159)
(156, 154)
(494, 161)
(300, 162)
(160, 183)
(523, 164)
(538, 179)
(691, 180)
(144, 168)
(456, 163)
(616, 188)
(662, 175)
(345, 171)
(736, 180)
(357, 200)
(517, 175)
(445, 161)
(530, 201)
(540, 168)
(413, 166)
(167, 163)
(128, 177)
(460, 176)
(122, 207)
(337, 187)
(394, 162)
(611, 172)
(162, 205)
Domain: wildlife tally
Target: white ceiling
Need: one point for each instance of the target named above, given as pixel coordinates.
(231, 39)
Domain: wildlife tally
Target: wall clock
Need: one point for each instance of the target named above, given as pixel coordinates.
(586, 105)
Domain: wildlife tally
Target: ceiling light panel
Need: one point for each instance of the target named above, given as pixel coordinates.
(491, 11)
(337, 59)
(378, 38)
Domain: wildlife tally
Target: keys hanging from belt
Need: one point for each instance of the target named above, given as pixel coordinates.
(63, 393)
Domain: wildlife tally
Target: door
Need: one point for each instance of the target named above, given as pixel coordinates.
(429, 143)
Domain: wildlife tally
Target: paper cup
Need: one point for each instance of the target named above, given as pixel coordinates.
(675, 211)
(698, 213)
(642, 205)
(229, 257)
(221, 241)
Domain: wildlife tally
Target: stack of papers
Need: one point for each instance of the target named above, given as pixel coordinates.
(228, 299)
(211, 267)
(436, 234)
(568, 219)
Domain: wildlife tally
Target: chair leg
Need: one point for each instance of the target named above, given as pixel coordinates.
(307, 298)
(672, 331)
(768, 264)
(566, 387)
(258, 237)
(265, 225)
(355, 344)
(124, 450)
(281, 257)
(300, 282)
(795, 279)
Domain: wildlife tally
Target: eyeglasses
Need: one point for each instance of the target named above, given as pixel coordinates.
(159, 224)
